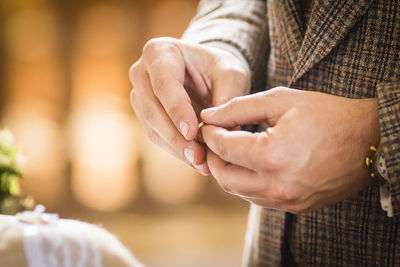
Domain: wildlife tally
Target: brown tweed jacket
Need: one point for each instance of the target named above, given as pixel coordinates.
(348, 48)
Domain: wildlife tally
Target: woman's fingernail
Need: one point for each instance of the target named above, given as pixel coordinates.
(201, 168)
(184, 128)
(189, 154)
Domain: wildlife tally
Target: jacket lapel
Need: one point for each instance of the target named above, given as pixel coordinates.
(329, 23)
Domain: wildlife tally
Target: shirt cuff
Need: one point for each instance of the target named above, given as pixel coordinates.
(231, 49)
(386, 201)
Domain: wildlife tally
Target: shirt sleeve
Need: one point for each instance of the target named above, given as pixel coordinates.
(238, 26)
(389, 119)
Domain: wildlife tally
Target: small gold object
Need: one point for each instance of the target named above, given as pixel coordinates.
(199, 137)
(371, 161)
(368, 161)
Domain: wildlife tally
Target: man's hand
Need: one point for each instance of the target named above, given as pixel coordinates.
(311, 155)
(172, 82)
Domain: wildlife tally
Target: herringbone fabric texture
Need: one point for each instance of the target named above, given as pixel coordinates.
(347, 48)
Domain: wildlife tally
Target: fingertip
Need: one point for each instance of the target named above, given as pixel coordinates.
(185, 121)
(188, 128)
(200, 162)
(203, 169)
(184, 128)
(131, 96)
(206, 169)
(207, 114)
(199, 153)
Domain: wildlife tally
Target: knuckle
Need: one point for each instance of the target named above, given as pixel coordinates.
(231, 106)
(152, 135)
(132, 95)
(226, 187)
(173, 112)
(153, 138)
(175, 141)
(281, 192)
(278, 194)
(133, 70)
(164, 88)
(133, 98)
(233, 103)
(284, 92)
(272, 160)
(150, 47)
(280, 90)
(220, 148)
(273, 153)
(288, 195)
(149, 114)
(156, 45)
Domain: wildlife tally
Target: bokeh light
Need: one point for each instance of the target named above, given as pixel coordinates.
(104, 138)
(104, 154)
(35, 101)
(167, 179)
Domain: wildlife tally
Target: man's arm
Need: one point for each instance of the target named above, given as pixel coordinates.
(237, 26)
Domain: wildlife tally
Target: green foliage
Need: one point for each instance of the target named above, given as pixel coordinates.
(10, 173)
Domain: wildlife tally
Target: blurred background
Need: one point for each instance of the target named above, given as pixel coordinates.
(64, 93)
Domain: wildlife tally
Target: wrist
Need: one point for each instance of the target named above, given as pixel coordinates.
(366, 134)
(231, 49)
(368, 121)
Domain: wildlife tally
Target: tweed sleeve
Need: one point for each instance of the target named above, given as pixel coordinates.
(234, 25)
(389, 119)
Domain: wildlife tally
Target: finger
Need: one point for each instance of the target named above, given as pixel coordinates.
(238, 147)
(156, 139)
(201, 168)
(152, 114)
(232, 178)
(166, 69)
(251, 109)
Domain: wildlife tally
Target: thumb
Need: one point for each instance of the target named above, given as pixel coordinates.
(250, 109)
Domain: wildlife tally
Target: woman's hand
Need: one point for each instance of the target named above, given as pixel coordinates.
(172, 82)
(311, 155)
